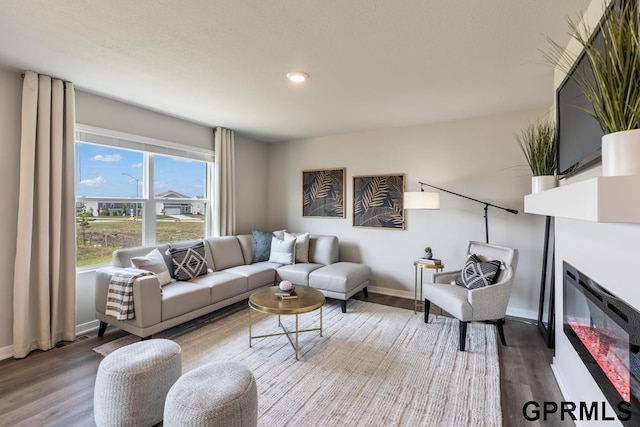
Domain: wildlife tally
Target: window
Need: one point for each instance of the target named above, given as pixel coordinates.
(130, 194)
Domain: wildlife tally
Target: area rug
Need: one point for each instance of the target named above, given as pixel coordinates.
(373, 366)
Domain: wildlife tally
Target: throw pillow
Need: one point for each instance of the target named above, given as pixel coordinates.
(188, 262)
(262, 243)
(477, 273)
(302, 246)
(153, 262)
(282, 251)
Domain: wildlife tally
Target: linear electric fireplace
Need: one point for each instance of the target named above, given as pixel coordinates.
(604, 331)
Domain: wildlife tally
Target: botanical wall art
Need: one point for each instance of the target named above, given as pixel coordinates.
(323, 193)
(377, 201)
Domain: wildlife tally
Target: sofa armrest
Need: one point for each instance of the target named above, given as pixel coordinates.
(147, 296)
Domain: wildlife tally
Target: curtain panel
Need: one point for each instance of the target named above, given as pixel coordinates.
(45, 271)
(224, 197)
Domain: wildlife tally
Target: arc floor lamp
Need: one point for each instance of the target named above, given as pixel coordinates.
(431, 200)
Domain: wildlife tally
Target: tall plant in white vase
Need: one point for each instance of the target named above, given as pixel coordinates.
(539, 144)
(612, 87)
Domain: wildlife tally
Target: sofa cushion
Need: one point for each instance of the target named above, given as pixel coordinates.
(223, 285)
(225, 252)
(298, 274)
(257, 274)
(339, 277)
(323, 249)
(153, 262)
(302, 246)
(189, 262)
(283, 251)
(183, 297)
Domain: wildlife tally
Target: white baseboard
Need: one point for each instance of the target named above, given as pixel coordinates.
(391, 292)
(515, 312)
(87, 327)
(6, 352)
(522, 313)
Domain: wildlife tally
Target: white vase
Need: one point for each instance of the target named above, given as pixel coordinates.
(542, 183)
(621, 153)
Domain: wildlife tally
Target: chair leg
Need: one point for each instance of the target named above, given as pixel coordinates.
(343, 306)
(365, 291)
(427, 306)
(463, 334)
(500, 322)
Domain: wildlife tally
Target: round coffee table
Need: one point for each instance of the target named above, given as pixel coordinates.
(266, 301)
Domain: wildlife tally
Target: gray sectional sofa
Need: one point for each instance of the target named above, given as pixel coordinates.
(232, 277)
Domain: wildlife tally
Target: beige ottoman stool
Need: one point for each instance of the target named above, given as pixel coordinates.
(133, 382)
(216, 394)
(341, 280)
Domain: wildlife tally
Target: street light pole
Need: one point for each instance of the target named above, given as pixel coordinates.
(135, 213)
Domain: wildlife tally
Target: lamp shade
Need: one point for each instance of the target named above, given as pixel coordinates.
(422, 200)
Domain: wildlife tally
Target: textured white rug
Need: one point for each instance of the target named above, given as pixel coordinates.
(374, 366)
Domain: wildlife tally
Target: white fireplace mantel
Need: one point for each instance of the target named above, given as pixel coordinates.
(599, 199)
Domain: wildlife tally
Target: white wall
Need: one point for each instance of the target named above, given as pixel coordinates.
(478, 158)
(252, 173)
(10, 111)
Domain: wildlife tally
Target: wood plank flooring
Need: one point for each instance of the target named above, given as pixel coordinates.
(55, 388)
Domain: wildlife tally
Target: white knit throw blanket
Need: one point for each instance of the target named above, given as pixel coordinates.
(120, 295)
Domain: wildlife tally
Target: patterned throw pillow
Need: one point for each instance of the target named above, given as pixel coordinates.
(262, 245)
(477, 273)
(188, 262)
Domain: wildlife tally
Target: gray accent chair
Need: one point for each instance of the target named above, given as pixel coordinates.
(483, 304)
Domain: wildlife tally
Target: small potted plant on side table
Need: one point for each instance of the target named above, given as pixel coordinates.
(428, 254)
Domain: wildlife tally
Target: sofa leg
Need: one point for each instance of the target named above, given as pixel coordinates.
(102, 328)
(463, 334)
(365, 291)
(427, 307)
(343, 306)
(499, 323)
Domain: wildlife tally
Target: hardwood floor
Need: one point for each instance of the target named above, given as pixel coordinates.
(55, 388)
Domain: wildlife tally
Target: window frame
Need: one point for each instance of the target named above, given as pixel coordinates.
(149, 147)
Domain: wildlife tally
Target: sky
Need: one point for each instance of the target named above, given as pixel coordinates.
(103, 171)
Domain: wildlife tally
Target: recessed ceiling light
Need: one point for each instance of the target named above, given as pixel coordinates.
(297, 76)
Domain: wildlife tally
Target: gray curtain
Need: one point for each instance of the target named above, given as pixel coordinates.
(224, 197)
(45, 272)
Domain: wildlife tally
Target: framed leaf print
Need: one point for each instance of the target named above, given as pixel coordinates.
(323, 193)
(377, 201)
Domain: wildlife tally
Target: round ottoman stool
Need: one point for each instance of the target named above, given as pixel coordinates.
(133, 382)
(216, 394)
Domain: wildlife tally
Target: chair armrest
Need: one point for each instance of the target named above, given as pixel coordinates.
(445, 276)
(147, 296)
(490, 302)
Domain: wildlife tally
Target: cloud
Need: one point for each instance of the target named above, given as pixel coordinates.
(93, 182)
(106, 158)
(137, 165)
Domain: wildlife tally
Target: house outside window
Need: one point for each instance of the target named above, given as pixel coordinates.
(133, 191)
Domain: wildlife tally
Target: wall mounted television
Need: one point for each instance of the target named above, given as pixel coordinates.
(579, 134)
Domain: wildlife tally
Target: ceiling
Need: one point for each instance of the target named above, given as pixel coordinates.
(373, 63)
